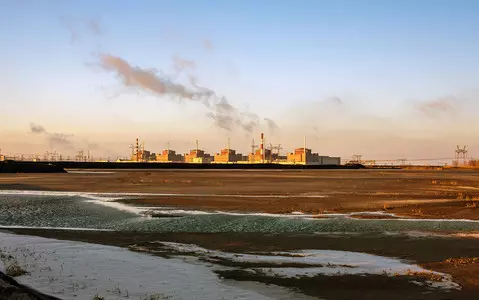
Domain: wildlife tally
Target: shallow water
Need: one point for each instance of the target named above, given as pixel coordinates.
(106, 211)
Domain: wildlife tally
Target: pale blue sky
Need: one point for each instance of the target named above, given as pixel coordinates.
(377, 56)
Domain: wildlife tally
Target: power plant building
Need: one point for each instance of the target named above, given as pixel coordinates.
(259, 156)
(169, 156)
(227, 156)
(306, 157)
(198, 156)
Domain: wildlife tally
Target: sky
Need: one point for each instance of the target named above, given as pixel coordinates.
(385, 79)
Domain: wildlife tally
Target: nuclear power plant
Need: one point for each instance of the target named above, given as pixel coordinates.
(262, 155)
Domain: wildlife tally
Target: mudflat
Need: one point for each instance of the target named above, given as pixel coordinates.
(451, 194)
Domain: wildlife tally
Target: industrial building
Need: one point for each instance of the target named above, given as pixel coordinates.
(198, 156)
(262, 155)
(139, 154)
(306, 157)
(169, 156)
(227, 155)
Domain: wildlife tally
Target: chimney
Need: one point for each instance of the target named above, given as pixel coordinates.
(137, 150)
(261, 147)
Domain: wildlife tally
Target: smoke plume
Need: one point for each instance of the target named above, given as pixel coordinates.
(55, 139)
(179, 64)
(335, 100)
(221, 111)
(37, 128)
(272, 126)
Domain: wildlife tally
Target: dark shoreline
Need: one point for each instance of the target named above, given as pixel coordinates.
(11, 289)
(29, 167)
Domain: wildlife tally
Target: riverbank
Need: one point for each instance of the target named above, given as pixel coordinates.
(433, 194)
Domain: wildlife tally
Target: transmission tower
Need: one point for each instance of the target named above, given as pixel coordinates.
(461, 154)
(80, 156)
(357, 158)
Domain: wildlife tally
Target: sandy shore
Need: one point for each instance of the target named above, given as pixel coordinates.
(452, 194)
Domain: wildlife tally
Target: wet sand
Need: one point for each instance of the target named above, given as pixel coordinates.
(452, 194)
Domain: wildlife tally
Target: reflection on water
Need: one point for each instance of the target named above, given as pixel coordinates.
(75, 211)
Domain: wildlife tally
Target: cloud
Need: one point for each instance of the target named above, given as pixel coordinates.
(221, 111)
(55, 139)
(436, 107)
(94, 26)
(77, 28)
(208, 44)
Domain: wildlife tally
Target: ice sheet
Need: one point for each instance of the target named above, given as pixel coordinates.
(75, 270)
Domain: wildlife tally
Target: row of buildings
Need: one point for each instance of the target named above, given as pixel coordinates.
(261, 155)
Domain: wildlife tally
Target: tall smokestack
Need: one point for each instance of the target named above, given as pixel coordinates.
(197, 148)
(137, 148)
(261, 147)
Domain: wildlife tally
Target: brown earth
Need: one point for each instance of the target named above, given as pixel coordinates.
(412, 193)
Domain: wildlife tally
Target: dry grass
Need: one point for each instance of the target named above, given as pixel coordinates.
(472, 204)
(463, 261)
(14, 270)
(439, 182)
(417, 211)
(387, 206)
(425, 275)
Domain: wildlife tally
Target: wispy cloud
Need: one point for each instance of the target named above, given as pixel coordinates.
(208, 44)
(437, 107)
(55, 139)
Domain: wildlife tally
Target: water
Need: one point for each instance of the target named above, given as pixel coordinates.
(75, 210)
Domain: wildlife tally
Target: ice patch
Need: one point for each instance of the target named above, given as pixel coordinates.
(75, 270)
(315, 262)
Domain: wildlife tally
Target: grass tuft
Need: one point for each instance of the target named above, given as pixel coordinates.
(14, 270)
